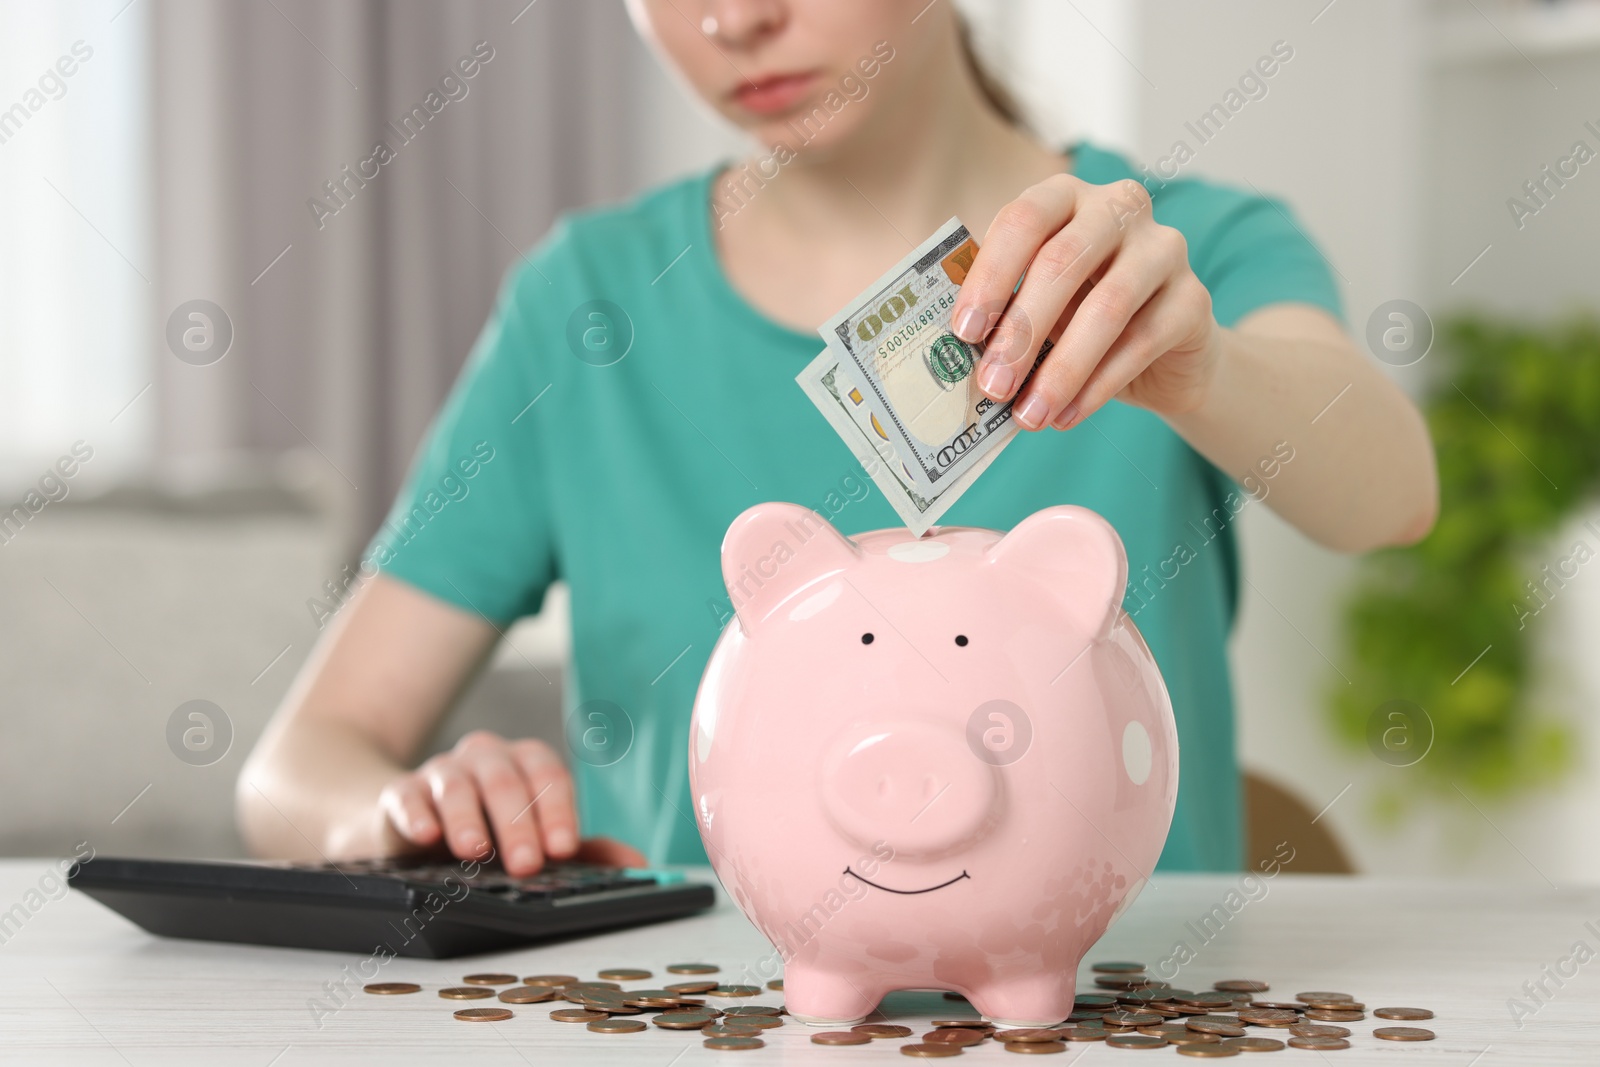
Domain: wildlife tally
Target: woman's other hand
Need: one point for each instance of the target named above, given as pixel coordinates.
(514, 797)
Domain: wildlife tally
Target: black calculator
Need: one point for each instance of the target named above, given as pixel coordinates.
(430, 910)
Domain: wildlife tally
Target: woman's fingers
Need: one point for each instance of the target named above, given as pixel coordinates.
(1067, 260)
(455, 799)
(1139, 269)
(611, 853)
(503, 792)
(1150, 334)
(407, 804)
(550, 786)
(1016, 235)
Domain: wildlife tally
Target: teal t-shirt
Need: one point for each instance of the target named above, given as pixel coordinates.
(610, 444)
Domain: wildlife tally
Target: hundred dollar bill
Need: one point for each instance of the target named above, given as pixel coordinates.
(916, 376)
(828, 381)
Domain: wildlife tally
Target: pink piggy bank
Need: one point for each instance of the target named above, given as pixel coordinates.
(936, 763)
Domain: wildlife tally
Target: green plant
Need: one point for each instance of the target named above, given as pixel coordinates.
(1515, 417)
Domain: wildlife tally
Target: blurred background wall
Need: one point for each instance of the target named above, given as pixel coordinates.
(179, 162)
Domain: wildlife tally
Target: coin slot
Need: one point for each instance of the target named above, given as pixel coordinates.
(961, 640)
(866, 639)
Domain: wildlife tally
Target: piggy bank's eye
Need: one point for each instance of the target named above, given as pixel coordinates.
(961, 639)
(866, 639)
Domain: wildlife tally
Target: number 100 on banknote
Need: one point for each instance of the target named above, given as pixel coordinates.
(916, 376)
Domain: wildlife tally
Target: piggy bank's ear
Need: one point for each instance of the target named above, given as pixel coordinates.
(772, 550)
(1073, 554)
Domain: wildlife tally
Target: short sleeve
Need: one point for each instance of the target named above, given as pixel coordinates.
(1256, 253)
(471, 523)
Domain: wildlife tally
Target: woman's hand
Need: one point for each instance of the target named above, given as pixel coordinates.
(523, 788)
(1104, 280)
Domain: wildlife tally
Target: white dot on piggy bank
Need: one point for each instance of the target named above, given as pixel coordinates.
(1136, 752)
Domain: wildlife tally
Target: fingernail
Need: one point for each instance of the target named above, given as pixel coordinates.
(996, 378)
(522, 857)
(1068, 416)
(562, 840)
(969, 324)
(1032, 411)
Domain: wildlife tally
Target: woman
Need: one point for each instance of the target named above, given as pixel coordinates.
(1207, 315)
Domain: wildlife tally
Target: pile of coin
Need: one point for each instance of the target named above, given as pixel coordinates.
(604, 1007)
(1130, 1011)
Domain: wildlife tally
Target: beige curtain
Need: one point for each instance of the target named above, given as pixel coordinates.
(350, 319)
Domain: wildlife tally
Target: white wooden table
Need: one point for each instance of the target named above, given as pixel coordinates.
(80, 985)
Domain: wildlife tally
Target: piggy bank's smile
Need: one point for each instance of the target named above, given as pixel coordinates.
(908, 892)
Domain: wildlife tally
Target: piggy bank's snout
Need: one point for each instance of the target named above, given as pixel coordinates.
(915, 786)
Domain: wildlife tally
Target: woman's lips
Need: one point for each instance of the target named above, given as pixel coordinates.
(767, 96)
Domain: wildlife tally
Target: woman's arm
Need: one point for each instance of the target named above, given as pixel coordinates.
(1363, 473)
(330, 776)
(1131, 321)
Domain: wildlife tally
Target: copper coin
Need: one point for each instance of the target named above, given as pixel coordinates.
(1208, 1052)
(1142, 997)
(1280, 1005)
(879, 1030)
(1135, 1041)
(390, 989)
(1120, 981)
(1268, 1017)
(1207, 1000)
(465, 992)
(1084, 1033)
(841, 1037)
(691, 987)
(956, 1035)
(617, 1026)
(1403, 1014)
(777, 984)
(588, 987)
(1026, 1033)
(1130, 1019)
(733, 1044)
(1403, 1033)
(682, 1020)
(1094, 1000)
(722, 1030)
(623, 974)
(526, 994)
(576, 1015)
(483, 1015)
(760, 1022)
(1318, 1030)
(1323, 1016)
(490, 979)
(652, 1002)
(1254, 1044)
(1193, 1037)
(1323, 995)
(930, 1052)
(551, 980)
(1036, 1048)
(976, 1023)
(1325, 1044)
(1222, 1027)
(1335, 1005)
(692, 1007)
(1240, 985)
(752, 1009)
(734, 991)
(1117, 967)
(692, 968)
